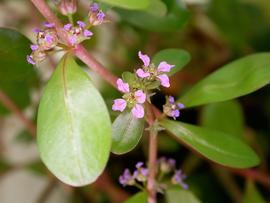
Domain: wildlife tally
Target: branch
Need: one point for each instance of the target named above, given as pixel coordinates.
(255, 175)
(152, 153)
(10, 105)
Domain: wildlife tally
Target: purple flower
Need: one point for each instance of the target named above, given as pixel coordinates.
(180, 105)
(48, 25)
(87, 33)
(138, 111)
(30, 60)
(140, 96)
(164, 80)
(145, 59)
(171, 108)
(36, 30)
(81, 24)
(166, 165)
(119, 105)
(67, 27)
(34, 47)
(94, 7)
(140, 173)
(164, 67)
(142, 74)
(126, 178)
(47, 39)
(178, 178)
(122, 86)
(96, 16)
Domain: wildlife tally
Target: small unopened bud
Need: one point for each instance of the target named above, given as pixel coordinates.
(96, 16)
(36, 56)
(47, 39)
(67, 7)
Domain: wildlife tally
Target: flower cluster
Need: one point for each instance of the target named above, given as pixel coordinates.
(151, 73)
(78, 33)
(138, 176)
(133, 98)
(171, 108)
(48, 40)
(167, 167)
(166, 170)
(146, 78)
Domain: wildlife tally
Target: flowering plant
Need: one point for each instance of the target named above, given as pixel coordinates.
(80, 123)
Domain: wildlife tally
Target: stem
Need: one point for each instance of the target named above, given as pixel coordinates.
(152, 153)
(70, 18)
(10, 105)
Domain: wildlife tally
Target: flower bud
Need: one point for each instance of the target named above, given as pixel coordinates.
(47, 39)
(36, 56)
(67, 7)
(96, 16)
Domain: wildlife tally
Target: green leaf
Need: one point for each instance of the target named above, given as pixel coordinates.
(252, 195)
(177, 195)
(176, 57)
(157, 8)
(175, 18)
(128, 4)
(224, 116)
(217, 146)
(236, 79)
(16, 75)
(140, 197)
(126, 132)
(74, 128)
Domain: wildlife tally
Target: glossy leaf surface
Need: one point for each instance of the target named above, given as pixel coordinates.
(177, 195)
(175, 18)
(217, 146)
(126, 132)
(236, 79)
(74, 129)
(176, 57)
(128, 4)
(140, 197)
(16, 75)
(224, 116)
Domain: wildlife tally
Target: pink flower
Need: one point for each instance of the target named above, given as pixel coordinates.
(119, 105)
(122, 86)
(164, 67)
(140, 96)
(164, 80)
(145, 59)
(138, 111)
(142, 74)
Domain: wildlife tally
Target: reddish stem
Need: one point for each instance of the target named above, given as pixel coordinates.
(10, 105)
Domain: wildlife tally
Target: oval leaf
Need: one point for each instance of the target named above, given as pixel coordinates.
(74, 129)
(214, 145)
(236, 79)
(15, 73)
(224, 116)
(176, 57)
(177, 195)
(126, 132)
(128, 4)
(175, 18)
(140, 197)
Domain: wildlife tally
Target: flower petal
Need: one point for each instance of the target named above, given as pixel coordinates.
(180, 105)
(164, 80)
(30, 60)
(145, 59)
(142, 74)
(138, 111)
(67, 27)
(119, 105)
(122, 86)
(164, 67)
(87, 33)
(81, 24)
(140, 96)
(171, 99)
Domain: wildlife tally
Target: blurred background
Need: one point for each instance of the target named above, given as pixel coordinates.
(214, 32)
